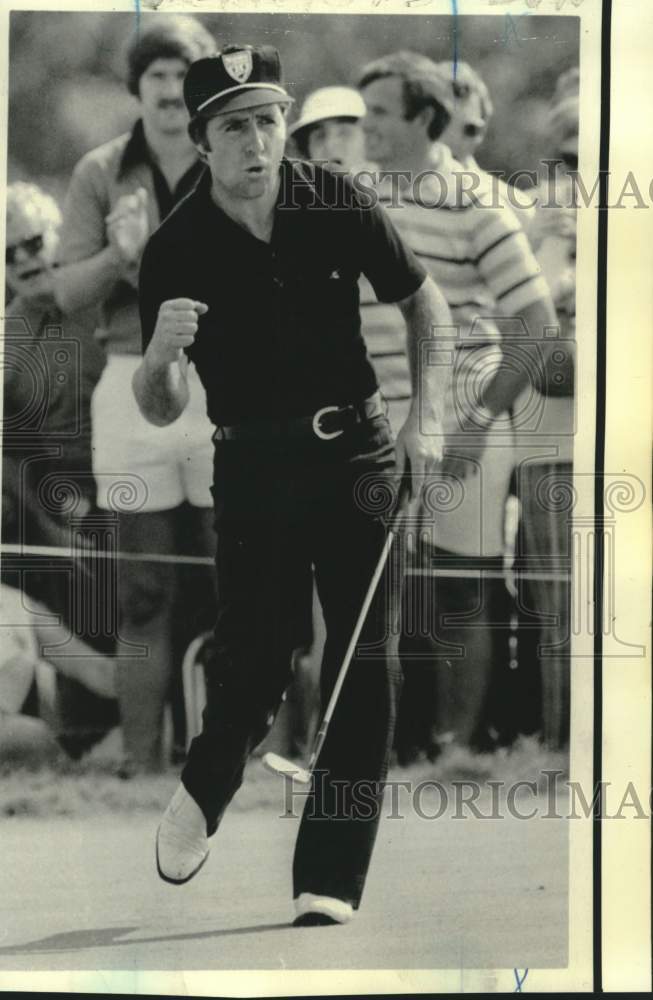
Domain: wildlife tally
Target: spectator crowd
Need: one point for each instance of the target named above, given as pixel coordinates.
(116, 629)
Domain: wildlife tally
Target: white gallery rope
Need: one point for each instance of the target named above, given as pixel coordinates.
(60, 552)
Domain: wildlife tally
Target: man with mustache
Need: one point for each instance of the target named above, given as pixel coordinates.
(119, 193)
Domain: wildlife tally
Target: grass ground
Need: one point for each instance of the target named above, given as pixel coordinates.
(91, 787)
(487, 893)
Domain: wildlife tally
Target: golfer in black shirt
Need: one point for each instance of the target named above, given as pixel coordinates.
(254, 278)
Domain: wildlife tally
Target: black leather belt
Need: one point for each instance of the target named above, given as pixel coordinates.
(326, 423)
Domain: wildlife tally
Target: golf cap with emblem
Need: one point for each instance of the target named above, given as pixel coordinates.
(329, 102)
(239, 77)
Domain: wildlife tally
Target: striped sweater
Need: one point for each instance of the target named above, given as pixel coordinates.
(476, 252)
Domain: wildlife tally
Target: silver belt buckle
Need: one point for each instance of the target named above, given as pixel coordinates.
(317, 430)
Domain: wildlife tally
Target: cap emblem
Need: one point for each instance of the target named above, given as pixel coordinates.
(238, 65)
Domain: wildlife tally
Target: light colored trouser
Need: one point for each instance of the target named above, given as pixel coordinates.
(140, 467)
(467, 517)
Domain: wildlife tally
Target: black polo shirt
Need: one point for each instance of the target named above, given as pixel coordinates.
(282, 335)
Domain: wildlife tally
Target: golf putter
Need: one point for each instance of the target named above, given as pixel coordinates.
(287, 768)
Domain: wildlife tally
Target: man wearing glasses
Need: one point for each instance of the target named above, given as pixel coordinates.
(31, 257)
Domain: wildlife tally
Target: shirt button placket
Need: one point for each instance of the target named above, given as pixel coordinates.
(277, 319)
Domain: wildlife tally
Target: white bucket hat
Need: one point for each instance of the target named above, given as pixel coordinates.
(329, 102)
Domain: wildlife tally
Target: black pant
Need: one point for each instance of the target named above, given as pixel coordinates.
(279, 509)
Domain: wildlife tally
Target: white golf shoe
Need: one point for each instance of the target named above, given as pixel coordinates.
(315, 911)
(182, 845)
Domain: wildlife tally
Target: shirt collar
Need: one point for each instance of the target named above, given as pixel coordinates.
(438, 185)
(294, 189)
(136, 152)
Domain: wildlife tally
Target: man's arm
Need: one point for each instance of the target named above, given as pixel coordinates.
(161, 391)
(97, 249)
(159, 383)
(510, 379)
(398, 277)
(512, 273)
(419, 442)
(88, 282)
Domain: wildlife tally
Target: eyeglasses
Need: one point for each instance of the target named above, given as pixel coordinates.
(31, 246)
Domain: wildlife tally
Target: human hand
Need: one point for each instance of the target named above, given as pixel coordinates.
(175, 329)
(418, 449)
(128, 226)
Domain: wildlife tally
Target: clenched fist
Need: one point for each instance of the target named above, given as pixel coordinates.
(175, 329)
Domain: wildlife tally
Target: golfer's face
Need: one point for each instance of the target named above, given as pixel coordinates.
(245, 149)
(339, 142)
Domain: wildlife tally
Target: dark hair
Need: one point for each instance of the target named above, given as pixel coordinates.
(166, 37)
(421, 86)
(300, 139)
(197, 130)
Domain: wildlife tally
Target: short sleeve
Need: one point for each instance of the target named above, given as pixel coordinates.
(505, 259)
(83, 233)
(389, 265)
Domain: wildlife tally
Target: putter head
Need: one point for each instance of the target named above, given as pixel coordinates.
(279, 765)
